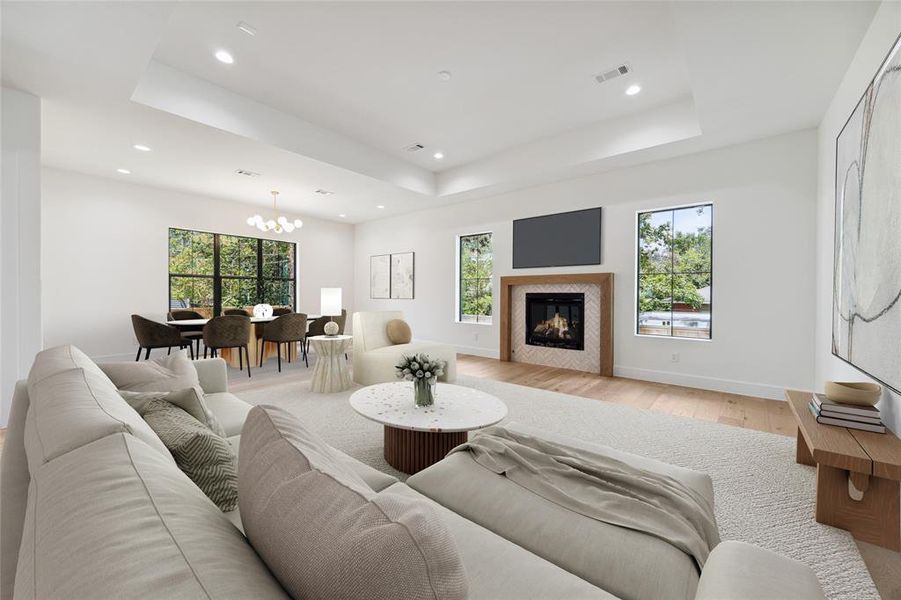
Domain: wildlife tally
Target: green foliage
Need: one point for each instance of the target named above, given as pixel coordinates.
(672, 268)
(476, 266)
(191, 253)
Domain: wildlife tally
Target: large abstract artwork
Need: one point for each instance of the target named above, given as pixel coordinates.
(402, 277)
(380, 276)
(866, 314)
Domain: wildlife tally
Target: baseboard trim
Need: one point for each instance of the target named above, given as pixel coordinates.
(476, 351)
(732, 386)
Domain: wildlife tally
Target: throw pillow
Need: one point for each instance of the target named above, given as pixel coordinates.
(165, 374)
(324, 533)
(205, 457)
(398, 331)
(190, 400)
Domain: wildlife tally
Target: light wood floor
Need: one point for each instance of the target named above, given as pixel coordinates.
(773, 416)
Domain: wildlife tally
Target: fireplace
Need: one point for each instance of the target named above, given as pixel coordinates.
(556, 320)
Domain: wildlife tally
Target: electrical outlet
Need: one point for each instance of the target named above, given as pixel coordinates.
(674, 357)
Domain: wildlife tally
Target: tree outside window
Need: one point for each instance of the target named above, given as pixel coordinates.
(675, 274)
(209, 272)
(476, 266)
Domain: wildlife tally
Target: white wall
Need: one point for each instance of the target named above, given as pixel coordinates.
(764, 206)
(883, 32)
(105, 249)
(20, 239)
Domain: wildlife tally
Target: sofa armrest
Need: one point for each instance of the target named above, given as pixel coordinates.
(740, 571)
(213, 375)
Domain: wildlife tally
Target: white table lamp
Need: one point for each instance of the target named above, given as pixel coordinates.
(330, 306)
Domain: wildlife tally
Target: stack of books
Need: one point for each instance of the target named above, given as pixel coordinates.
(852, 416)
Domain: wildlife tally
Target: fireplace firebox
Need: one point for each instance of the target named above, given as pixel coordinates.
(556, 320)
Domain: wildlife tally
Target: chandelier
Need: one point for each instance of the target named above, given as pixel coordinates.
(278, 224)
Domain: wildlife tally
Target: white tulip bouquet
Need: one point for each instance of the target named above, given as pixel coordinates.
(423, 372)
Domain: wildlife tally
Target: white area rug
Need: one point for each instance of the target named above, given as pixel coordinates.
(762, 495)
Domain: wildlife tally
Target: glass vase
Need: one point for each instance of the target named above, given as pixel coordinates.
(423, 392)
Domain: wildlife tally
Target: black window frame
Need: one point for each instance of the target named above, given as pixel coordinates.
(672, 274)
(217, 276)
(461, 279)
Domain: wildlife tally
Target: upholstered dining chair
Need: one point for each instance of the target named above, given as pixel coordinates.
(228, 331)
(317, 327)
(281, 310)
(192, 332)
(286, 329)
(243, 312)
(151, 335)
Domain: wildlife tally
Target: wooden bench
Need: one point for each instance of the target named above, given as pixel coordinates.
(858, 475)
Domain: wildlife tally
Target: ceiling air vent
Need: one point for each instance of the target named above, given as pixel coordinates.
(414, 147)
(247, 173)
(323, 192)
(623, 69)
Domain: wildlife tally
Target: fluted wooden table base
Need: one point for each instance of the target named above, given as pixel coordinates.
(412, 451)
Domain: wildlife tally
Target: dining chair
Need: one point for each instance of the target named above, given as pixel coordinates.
(228, 331)
(151, 335)
(317, 327)
(191, 332)
(286, 329)
(281, 310)
(237, 311)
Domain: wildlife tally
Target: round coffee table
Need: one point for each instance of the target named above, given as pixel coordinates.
(417, 437)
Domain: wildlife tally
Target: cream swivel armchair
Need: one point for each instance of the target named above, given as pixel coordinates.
(375, 356)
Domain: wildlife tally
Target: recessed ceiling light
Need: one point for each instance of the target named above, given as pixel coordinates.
(633, 89)
(380, 206)
(444, 75)
(123, 171)
(246, 28)
(224, 56)
(438, 155)
(141, 147)
(342, 215)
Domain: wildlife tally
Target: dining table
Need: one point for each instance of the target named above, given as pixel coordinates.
(230, 355)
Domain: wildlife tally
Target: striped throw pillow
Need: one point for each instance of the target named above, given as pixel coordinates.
(208, 459)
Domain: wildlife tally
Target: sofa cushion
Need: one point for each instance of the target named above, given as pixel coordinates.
(398, 331)
(624, 562)
(230, 411)
(61, 358)
(324, 533)
(189, 400)
(740, 571)
(499, 569)
(374, 478)
(114, 519)
(75, 407)
(163, 374)
(204, 456)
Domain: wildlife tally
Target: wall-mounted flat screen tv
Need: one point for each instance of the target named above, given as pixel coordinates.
(561, 240)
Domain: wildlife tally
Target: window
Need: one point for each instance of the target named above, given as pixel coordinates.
(209, 272)
(675, 272)
(475, 267)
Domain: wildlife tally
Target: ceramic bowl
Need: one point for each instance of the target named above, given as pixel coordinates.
(850, 392)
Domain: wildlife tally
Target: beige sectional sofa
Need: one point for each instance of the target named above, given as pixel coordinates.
(93, 506)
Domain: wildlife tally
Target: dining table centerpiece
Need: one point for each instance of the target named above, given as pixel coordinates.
(423, 371)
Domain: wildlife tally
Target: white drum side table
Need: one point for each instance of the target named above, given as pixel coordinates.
(330, 372)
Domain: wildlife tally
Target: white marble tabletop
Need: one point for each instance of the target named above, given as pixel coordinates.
(456, 408)
(193, 322)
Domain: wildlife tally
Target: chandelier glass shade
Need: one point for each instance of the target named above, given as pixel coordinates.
(279, 224)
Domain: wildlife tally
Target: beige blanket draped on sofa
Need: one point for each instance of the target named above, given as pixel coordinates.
(601, 487)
